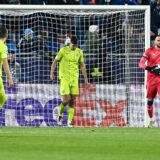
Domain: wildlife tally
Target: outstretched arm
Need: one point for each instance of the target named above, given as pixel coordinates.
(83, 68)
(53, 69)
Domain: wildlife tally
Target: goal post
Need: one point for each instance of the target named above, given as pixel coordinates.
(113, 38)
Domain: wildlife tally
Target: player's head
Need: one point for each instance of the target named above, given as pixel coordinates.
(11, 56)
(3, 33)
(28, 34)
(12, 49)
(157, 41)
(94, 29)
(73, 43)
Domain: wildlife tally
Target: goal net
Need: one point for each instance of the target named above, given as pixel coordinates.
(113, 39)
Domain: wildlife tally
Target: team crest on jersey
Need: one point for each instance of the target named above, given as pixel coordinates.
(77, 54)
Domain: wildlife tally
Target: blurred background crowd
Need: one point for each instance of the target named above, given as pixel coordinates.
(77, 2)
(35, 39)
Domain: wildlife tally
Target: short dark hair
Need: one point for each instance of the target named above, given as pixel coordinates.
(74, 40)
(3, 32)
(11, 52)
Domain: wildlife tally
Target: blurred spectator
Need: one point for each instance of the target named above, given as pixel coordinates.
(53, 2)
(3, 2)
(67, 39)
(64, 39)
(92, 52)
(14, 66)
(102, 2)
(92, 2)
(36, 2)
(135, 45)
(58, 2)
(43, 63)
(11, 36)
(13, 2)
(84, 2)
(154, 32)
(41, 44)
(114, 47)
(123, 2)
(72, 2)
(92, 40)
(115, 33)
(26, 43)
(155, 18)
(25, 1)
(9, 1)
(143, 2)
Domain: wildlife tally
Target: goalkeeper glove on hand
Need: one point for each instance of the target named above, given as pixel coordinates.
(154, 70)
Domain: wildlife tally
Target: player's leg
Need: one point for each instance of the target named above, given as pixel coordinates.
(74, 90)
(71, 109)
(151, 94)
(150, 112)
(65, 101)
(2, 94)
(2, 99)
(64, 91)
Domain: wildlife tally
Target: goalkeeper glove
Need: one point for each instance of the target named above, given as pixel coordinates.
(154, 70)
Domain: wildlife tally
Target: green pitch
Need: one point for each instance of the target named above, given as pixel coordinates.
(79, 144)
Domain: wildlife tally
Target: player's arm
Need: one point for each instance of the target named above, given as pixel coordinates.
(21, 41)
(83, 68)
(142, 64)
(152, 69)
(143, 61)
(57, 59)
(7, 71)
(53, 69)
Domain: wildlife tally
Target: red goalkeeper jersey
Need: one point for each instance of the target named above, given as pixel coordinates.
(152, 56)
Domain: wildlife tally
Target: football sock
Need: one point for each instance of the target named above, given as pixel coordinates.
(150, 111)
(61, 109)
(150, 107)
(70, 114)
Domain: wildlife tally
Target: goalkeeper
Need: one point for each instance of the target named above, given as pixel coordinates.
(69, 57)
(4, 62)
(151, 62)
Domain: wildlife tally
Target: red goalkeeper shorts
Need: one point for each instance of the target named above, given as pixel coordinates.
(152, 90)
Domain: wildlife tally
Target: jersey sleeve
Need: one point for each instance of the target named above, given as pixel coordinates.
(81, 58)
(4, 53)
(147, 54)
(59, 55)
(142, 63)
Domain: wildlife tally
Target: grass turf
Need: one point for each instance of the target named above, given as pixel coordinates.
(79, 144)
